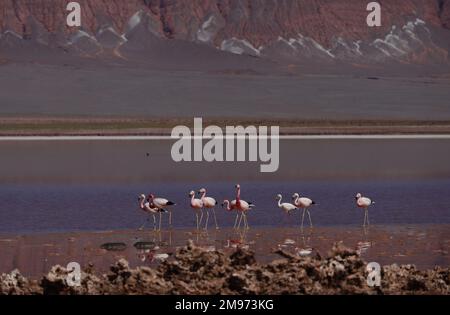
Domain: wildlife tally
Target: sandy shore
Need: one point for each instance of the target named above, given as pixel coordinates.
(83, 126)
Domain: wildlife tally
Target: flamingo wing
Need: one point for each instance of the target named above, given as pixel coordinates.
(288, 207)
(209, 202)
(364, 202)
(244, 205)
(161, 202)
(305, 202)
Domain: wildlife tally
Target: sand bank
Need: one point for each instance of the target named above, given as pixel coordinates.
(109, 126)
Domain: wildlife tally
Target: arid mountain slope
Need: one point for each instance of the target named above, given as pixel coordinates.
(413, 31)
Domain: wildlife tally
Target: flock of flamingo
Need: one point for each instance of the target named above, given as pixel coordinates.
(157, 206)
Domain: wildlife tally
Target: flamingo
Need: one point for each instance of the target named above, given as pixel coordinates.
(230, 206)
(197, 205)
(161, 204)
(239, 205)
(147, 208)
(364, 203)
(303, 203)
(208, 203)
(286, 207)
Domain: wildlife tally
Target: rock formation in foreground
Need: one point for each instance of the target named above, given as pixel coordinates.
(194, 270)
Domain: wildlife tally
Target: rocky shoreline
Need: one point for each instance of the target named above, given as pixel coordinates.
(197, 271)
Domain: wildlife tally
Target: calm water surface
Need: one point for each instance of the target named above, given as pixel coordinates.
(94, 185)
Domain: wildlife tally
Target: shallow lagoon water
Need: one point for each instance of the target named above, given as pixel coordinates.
(77, 200)
(52, 208)
(50, 186)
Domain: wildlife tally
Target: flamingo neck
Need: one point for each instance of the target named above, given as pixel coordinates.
(238, 194)
(141, 203)
(228, 208)
(279, 203)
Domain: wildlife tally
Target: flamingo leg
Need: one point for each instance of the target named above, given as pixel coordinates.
(160, 218)
(310, 221)
(215, 218)
(207, 219)
(367, 211)
(196, 215)
(365, 216)
(246, 221)
(236, 221)
(154, 222)
(201, 217)
(240, 220)
(170, 217)
(303, 217)
(145, 223)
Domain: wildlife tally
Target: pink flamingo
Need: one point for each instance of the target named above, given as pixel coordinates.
(230, 206)
(241, 206)
(303, 203)
(147, 207)
(197, 205)
(161, 204)
(208, 203)
(364, 203)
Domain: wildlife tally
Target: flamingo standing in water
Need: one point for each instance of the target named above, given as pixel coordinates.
(303, 203)
(286, 207)
(147, 207)
(197, 205)
(208, 203)
(230, 206)
(241, 206)
(364, 203)
(161, 204)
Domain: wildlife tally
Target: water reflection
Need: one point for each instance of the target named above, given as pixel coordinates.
(300, 245)
(239, 240)
(365, 243)
(114, 247)
(156, 249)
(306, 249)
(424, 246)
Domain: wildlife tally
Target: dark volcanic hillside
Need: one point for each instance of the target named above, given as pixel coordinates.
(413, 31)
